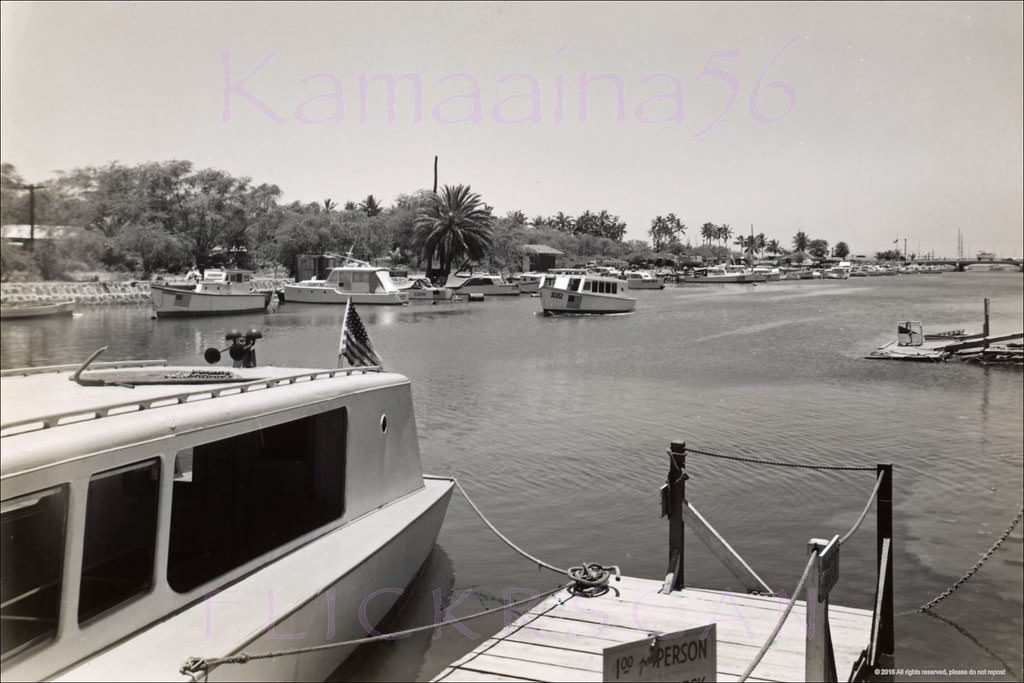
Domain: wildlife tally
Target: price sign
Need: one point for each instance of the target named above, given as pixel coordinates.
(689, 655)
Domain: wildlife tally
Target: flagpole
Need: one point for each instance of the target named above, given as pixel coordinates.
(341, 342)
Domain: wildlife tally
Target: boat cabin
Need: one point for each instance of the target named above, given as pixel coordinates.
(361, 280)
(587, 283)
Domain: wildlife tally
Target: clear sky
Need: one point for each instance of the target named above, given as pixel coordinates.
(865, 123)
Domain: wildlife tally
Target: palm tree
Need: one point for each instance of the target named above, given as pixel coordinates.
(800, 241)
(455, 227)
(709, 231)
(563, 222)
(773, 247)
(538, 221)
(330, 205)
(724, 232)
(371, 206)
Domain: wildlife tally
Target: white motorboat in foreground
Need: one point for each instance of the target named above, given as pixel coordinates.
(154, 514)
(357, 281)
(488, 285)
(585, 294)
(219, 292)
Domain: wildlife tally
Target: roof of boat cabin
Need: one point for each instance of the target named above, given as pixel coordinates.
(46, 418)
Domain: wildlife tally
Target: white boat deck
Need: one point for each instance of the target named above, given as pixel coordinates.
(562, 638)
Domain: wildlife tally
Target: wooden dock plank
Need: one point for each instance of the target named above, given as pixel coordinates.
(563, 637)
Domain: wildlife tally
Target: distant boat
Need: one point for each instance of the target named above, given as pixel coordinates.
(357, 281)
(488, 285)
(726, 274)
(220, 292)
(420, 289)
(530, 283)
(640, 279)
(19, 311)
(585, 294)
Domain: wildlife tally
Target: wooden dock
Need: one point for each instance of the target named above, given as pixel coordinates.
(562, 638)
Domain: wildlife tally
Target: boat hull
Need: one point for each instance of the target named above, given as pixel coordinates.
(304, 294)
(40, 311)
(257, 615)
(559, 301)
(508, 289)
(171, 302)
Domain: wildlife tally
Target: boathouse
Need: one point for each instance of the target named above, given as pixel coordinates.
(539, 258)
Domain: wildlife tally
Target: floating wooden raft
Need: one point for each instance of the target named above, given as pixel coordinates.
(562, 638)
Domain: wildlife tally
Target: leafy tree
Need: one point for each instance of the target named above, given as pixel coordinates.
(538, 220)
(842, 250)
(709, 231)
(563, 222)
(818, 248)
(773, 247)
(516, 218)
(455, 227)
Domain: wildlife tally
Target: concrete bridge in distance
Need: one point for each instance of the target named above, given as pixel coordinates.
(961, 263)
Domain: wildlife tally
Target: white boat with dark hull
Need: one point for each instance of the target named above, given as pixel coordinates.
(357, 281)
(488, 285)
(220, 292)
(154, 514)
(585, 294)
(530, 283)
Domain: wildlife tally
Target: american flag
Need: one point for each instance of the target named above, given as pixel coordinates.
(574, 301)
(355, 342)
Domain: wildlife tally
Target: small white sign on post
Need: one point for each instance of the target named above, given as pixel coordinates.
(689, 655)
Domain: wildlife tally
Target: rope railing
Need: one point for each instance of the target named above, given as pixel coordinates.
(782, 619)
(864, 512)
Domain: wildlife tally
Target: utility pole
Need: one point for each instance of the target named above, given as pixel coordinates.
(904, 248)
(435, 174)
(31, 213)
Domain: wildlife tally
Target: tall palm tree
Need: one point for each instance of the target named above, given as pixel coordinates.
(773, 247)
(371, 206)
(455, 227)
(563, 222)
(724, 232)
(709, 231)
(800, 241)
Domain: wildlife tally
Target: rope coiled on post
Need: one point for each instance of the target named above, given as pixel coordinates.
(778, 463)
(591, 579)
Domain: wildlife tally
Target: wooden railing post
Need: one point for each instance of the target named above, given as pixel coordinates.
(673, 495)
(884, 654)
(819, 656)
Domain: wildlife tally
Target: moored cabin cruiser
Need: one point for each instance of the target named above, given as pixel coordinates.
(640, 279)
(530, 283)
(420, 289)
(488, 285)
(152, 514)
(219, 292)
(585, 294)
(726, 274)
(356, 280)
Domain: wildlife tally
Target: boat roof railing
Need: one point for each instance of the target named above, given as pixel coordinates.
(94, 413)
(105, 365)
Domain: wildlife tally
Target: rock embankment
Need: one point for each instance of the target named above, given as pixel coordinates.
(98, 293)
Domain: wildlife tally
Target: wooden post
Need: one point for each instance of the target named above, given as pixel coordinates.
(885, 652)
(984, 327)
(673, 496)
(819, 657)
(435, 174)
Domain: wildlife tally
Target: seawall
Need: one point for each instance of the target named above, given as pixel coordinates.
(85, 293)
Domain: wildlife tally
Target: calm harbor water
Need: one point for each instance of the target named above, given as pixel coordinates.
(558, 428)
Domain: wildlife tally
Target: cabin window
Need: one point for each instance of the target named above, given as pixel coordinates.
(574, 284)
(32, 554)
(120, 537)
(240, 497)
(586, 285)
